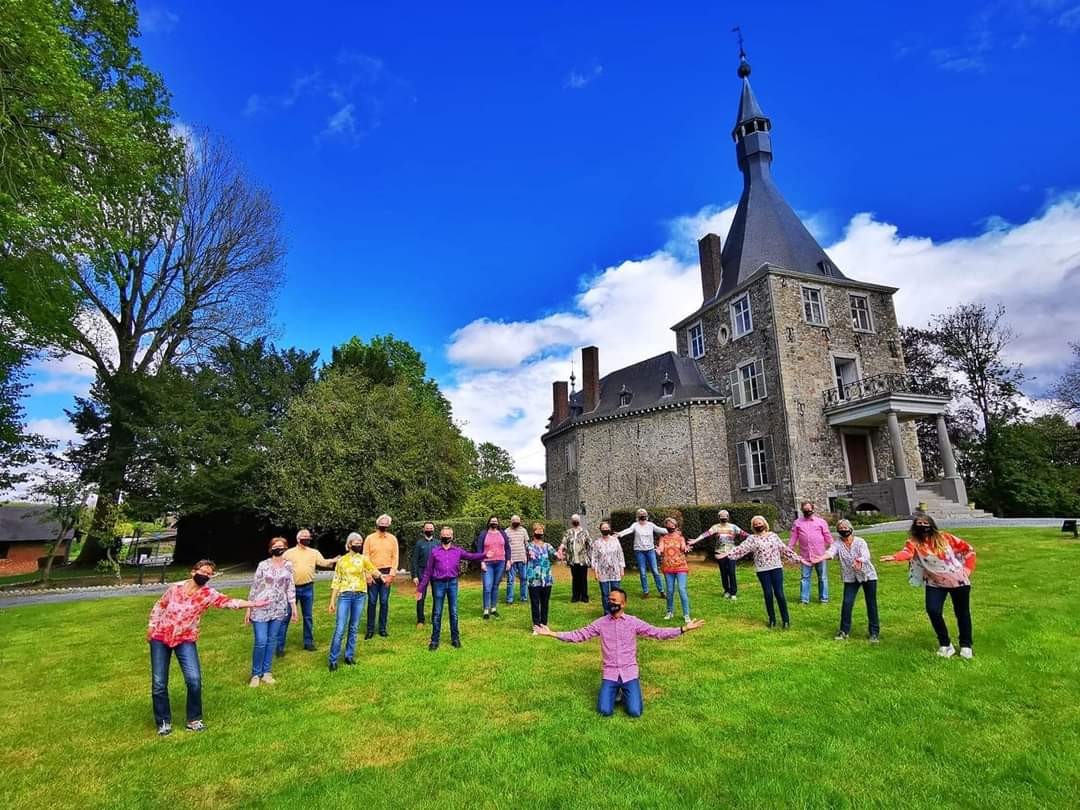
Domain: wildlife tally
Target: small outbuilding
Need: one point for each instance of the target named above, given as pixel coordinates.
(26, 533)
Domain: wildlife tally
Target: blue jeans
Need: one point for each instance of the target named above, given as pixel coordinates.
(631, 692)
(350, 607)
(515, 570)
(772, 587)
(605, 591)
(378, 597)
(188, 659)
(444, 588)
(493, 575)
(267, 635)
(851, 590)
(678, 580)
(822, 582)
(647, 560)
(305, 601)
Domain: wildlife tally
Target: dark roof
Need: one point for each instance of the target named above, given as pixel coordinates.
(765, 228)
(645, 383)
(27, 523)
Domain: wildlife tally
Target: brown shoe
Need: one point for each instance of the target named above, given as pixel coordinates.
(645, 595)
(419, 625)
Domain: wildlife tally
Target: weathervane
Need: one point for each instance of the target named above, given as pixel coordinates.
(744, 65)
(573, 379)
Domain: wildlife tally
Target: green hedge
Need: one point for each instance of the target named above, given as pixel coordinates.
(465, 531)
(693, 520)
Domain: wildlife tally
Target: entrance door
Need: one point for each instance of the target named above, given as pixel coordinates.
(858, 457)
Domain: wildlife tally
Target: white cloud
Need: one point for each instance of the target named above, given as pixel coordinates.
(69, 374)
(158, 20)
(577, 79)
(342, 122)
(254, 105)
(58, 429)
(502, 384)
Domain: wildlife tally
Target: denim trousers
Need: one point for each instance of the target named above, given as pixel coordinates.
(515, 570)
(493, 574)
(305, 602)
(728, 580)
(605, 591)
(646, 561)
(444, 589)
(961, 603)
(266, 635)
(851, 590)
(188, 659)
(631, 692)
(677, 580)
(822, 582)
(772, 587)
(350, 607)
(539, 597)
(378, 597)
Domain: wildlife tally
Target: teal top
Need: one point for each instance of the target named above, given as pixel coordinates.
(538, 563)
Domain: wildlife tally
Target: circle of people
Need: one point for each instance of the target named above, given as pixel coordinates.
(283, 589)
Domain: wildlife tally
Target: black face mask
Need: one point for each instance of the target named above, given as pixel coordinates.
(605, 532)
(428, 535)
(807, 512)
(845, 532)
(356, 547)
(922, 531)
(304, 541)
(447, 541)
(200, 579)
(614, 609)
(277, 552)
(493, 526)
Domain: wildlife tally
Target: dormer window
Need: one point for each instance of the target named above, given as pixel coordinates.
(625, 395)
(667, 387)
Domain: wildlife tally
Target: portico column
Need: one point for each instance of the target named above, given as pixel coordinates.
(945, 447)
(899, 458)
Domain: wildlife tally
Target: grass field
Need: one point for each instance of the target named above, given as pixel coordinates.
(735, 715)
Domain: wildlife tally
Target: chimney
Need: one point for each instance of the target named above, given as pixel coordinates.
(590, 377)
(709, 250)
(560, 410)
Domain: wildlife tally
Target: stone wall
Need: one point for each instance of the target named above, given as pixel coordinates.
(672, 456)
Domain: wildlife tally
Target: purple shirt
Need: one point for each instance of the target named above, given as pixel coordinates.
(444, 563)
(618, 642)
(810, 536)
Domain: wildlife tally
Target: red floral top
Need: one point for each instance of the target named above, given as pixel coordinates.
(175, 617)
(673, 548)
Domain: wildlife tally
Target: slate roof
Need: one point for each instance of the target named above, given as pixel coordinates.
(644, 381)
(765, 228)
(27, 523)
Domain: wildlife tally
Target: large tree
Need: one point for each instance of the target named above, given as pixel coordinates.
(1067, 389)
(350, 448)
(505, 499)
(171, 289)
(492, 465)
(385, 360)
(83, 123)
(1039, 468)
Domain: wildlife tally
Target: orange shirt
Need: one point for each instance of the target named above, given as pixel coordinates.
(382, 550)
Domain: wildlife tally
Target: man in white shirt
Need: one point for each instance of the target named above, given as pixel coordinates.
(645, 533)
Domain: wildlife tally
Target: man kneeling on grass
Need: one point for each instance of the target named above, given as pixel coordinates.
(618, 648)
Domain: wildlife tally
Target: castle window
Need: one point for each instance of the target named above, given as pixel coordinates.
(667, 387)
(813, 306)
(695, 339)
(625, 395)
(570, 456)
(860, 313)
(742, 323)
(757, 468)
(827, 268)
(748, 384)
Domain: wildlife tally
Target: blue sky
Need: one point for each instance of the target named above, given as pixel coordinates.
(440, 163)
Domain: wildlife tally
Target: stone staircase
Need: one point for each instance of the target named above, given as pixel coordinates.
(940, 508)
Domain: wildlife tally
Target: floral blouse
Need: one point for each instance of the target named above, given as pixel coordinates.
(951, 568)
(769, 551)
(538, 564)
(577, 543)
(608, 559)
(273, 582)
(174, 619)
(673, 548)
(858, 550)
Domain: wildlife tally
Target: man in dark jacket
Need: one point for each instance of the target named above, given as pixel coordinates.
(420, 553)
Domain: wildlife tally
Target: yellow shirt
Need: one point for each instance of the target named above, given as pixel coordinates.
(350, 574)
(382, 551)
(304, 560)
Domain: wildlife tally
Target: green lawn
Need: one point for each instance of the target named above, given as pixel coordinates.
(735, 715)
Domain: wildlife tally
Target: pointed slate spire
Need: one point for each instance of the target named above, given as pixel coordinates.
(765, 229)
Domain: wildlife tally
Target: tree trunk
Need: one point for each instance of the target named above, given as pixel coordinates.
(102, 526)
(52, 555)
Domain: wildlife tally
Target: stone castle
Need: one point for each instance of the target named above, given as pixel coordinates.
(787, 383)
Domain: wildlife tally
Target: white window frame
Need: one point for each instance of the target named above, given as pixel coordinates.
(865, 298)
(757, 464)
(854, 358)
(742, 385)
(803, 289)
(695, 354)
(735, 333)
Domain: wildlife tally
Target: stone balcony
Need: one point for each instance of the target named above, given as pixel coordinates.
(868, 401)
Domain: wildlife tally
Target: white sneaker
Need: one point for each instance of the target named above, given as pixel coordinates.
(686, 620)
(536, 631)
(947, 652)
(268, 678)
(669, 615)
(733, 597)
(254, 681)
(965, 652)
(727, 595)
